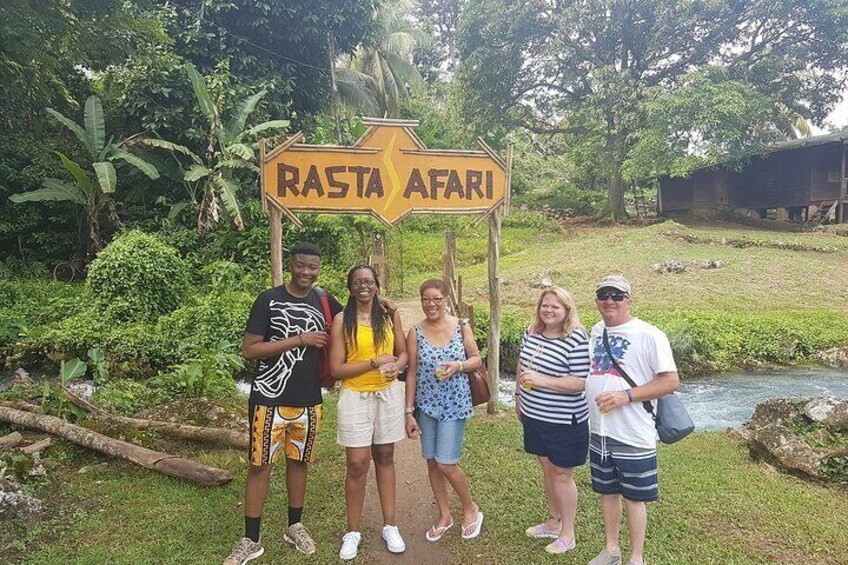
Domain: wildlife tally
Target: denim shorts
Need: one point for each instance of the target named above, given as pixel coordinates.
(441, 441)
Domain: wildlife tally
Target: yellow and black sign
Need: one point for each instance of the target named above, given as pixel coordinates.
(388, 172)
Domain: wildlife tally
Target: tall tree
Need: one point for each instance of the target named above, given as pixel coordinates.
(93, 197)
(379, 75)
(440, 20)
(49, 52)
(277, 45)
(228, 150)
(589, 69)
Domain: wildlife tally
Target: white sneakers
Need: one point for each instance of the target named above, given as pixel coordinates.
(394, 542)
(350, 542)
(350, 545)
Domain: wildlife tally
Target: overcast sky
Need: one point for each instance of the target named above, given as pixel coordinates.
(837, 118)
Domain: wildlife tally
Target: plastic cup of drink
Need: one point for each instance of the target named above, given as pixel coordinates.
(388, 373)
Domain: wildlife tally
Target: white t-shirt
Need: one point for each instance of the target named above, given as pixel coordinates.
(643, 351)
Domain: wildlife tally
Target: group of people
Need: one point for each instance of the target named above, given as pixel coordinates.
(570, 398)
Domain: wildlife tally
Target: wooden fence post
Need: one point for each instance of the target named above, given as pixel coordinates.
(494, 347)
(276, 246)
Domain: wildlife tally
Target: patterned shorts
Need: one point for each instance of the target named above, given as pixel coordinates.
(278, 429)
(618, 468)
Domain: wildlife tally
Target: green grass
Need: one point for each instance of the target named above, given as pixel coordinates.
(754, 279)
(716, 507)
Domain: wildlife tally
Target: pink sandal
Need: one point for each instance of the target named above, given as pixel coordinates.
(540, 531)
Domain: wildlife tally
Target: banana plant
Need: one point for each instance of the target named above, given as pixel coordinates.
(90, 189)
(229, 150)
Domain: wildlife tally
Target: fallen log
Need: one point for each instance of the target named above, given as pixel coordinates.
(147, 458)
(20, 405)
(38, 446)
(11, 441)
(218, 436)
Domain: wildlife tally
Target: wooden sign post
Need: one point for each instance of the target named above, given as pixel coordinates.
(389, 174)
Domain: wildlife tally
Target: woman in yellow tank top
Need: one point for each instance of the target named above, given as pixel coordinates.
(367, 349)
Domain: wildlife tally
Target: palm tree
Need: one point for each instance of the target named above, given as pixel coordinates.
(227, 151)
(379, 75)
(94, 198)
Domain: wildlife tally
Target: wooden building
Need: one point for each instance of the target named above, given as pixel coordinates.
(802, 179)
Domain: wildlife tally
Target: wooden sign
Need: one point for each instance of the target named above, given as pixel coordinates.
(387, 173)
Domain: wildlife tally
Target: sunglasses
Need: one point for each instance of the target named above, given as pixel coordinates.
(616, 296)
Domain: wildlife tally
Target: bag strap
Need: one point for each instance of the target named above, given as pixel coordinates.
(325, 304)
(645, 404)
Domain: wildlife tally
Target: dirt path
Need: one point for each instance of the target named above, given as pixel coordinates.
(416, 508)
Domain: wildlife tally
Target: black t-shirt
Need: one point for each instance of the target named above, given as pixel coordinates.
(289, 379)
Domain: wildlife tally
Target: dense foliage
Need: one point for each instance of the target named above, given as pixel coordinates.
(604, 76)
(138, 277)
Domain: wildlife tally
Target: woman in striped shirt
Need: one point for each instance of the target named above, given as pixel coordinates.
(549, 400)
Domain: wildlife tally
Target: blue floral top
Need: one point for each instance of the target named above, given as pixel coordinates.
(445, 400)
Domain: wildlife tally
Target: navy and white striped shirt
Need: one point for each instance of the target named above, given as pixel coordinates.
(555, 357)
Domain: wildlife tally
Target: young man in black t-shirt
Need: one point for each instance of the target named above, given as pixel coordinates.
(286, 331)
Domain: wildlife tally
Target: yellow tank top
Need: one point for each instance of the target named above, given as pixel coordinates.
(364, 350)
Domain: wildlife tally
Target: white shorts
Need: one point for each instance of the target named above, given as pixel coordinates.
(371, 418)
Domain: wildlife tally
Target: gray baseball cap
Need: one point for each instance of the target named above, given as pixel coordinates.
(617, 282)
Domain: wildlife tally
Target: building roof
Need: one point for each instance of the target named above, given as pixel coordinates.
(789, 145)
(803, 142)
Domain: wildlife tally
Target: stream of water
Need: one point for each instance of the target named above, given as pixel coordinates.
(714, 402)
(728, 400)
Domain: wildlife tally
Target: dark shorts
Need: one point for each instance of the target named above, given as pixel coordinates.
(618, 468)
(565, 445)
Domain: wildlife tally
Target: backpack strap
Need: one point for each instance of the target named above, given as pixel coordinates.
(645, 404)
(325, 305)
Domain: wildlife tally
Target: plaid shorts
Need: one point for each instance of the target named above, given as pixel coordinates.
(278, 429)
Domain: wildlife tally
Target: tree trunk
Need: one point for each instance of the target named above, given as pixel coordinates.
(209, 215)
(147, 458)
(615, 193)
(217, 436)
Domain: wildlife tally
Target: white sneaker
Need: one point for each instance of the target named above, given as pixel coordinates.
(350, 545)
(394, 542)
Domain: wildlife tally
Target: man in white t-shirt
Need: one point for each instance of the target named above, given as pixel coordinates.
(622, 446)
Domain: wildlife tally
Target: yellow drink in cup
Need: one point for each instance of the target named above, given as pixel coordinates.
(388, 373)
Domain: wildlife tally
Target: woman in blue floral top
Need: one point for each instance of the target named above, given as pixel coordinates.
(441, 353)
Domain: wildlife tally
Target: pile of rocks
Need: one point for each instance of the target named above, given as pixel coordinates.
(799, 435)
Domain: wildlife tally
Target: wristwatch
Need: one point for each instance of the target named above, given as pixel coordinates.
(629, 394)
(409, 410)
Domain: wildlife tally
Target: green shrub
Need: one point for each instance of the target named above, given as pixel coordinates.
(126, 396)
(711, 342)
(512, 330)
(142, 276)
(210, 376)
(204, 323)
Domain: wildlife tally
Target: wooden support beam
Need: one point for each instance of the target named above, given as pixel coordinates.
(276, 246)
(494, 353)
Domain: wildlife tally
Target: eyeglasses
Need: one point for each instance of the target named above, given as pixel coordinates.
(438, 300)
(367, 283)
(616, 296)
